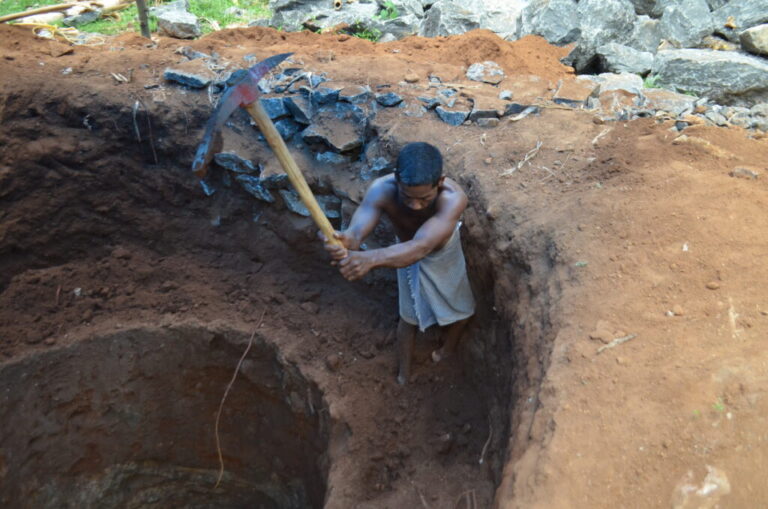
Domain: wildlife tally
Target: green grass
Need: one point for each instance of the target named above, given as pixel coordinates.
(389, 11)
(651, 82)
(208, 11)
(14, 6)
(214, 10)
(125, 21)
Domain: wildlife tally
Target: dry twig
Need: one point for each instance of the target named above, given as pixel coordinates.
(616, 342)
(530, 155)
(223, 398)
(487, 442)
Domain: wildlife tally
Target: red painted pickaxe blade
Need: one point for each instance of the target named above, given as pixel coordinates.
(243, 93)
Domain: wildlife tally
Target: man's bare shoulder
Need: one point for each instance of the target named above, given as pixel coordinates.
(452, 195)
(382, 190)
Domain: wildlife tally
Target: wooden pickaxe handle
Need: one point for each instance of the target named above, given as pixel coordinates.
(277, 144)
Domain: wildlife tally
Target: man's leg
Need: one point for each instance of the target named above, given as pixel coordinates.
(406, 334)
(452, 333)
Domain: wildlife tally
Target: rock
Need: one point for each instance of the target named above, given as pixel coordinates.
(192, 54)
(325, 93)
(603, 332)
(393, 29)
(430, 102)
(447, 97)
(716, 43)
(389, 99)
(50, 340)
(488, 122)
(254, 186)
(454, 117)
(236, 12)
(329, 157)
(713, 285)
(178, 24)
(276, 181)
(194, 74)
(378, 167)
(479, 112)
(84, 17)
(387, 38)
(177, 5)
(716, 118)
(760, 110)
(575, 92)
(505, 95)
(355, 94)
(602, 21)
(646, 35)
(755, 39)
(500, 16)
(725, 77)
(331, 205)
(677, 309)
(735, 16)
(447, 17)
(295, 15)
(415, 110)
(745, 173)
(514, 109)
(688, 494)
(235, 163)
(274, 106)
(684, 23)
(666, 100)
(287, 127)
(626, 82)
(620, 58)
(486, 72)
(555, 20)
(300, 107)
(411, 77)
(340, 135)
(332, 362)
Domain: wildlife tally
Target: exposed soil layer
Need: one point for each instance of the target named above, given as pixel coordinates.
(613, 230)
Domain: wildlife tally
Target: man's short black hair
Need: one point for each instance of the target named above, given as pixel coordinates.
(418, 164)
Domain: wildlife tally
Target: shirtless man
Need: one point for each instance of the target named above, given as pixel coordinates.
(424, 207)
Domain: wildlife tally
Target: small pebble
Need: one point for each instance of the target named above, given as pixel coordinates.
(677, 309)
(411, 77)
(713, 285)
(332, 362)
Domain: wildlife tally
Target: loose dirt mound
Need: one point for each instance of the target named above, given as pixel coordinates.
(612, 230)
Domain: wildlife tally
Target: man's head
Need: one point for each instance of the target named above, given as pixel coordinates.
(419, 174)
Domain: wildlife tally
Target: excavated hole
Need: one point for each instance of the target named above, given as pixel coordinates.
(125, 420)
(127, 417)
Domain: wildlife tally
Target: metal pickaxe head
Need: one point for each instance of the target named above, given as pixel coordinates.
(242, 93)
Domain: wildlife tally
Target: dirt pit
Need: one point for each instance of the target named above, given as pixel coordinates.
(128, 296)
(117, 420)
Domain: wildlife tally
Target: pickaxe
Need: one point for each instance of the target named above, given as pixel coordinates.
(245, 93)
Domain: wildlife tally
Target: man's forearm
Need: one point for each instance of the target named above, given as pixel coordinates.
(400, 255)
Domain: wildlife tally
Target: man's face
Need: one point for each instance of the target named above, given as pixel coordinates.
(419, 198)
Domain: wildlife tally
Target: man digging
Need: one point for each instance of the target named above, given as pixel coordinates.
(424, 207)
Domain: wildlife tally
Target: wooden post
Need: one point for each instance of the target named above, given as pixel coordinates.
(141, 5)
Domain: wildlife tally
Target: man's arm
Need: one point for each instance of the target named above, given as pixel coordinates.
(363, 221)
(432, 234)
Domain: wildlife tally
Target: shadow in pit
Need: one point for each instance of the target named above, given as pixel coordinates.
(126, 420)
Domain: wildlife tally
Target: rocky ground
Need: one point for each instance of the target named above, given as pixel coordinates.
(617, 356)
